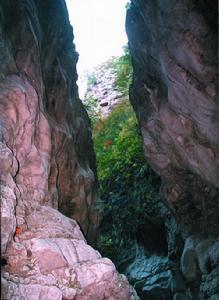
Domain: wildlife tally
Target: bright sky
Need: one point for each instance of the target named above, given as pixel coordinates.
(99, 30)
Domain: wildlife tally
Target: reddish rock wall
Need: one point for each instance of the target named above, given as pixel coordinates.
(174, 50)
(43, 122)
(47, 163)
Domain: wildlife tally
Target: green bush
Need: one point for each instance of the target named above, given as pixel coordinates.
(117, 141)
(122, 68)
(93, 109)
(91, 80)
(127, 183)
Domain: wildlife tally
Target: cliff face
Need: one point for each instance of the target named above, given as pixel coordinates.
(102, 90)
(174, 93)
(47, 163)
(174, 50)
(45, 128)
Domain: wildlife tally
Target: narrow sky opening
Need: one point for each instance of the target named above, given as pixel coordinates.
(99, 30)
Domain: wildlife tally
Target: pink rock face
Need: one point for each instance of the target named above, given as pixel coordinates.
(51, 260)
(43, 122)
(42, 159)
(8, 197)
(47, 163)
(102, 90)
(174, 49)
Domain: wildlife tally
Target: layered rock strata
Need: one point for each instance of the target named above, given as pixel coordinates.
(47, 163)
(175, 95)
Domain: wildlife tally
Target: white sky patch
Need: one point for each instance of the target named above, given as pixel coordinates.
(99, 30)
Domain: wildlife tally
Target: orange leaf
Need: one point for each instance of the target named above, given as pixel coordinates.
(108, 143)
(18, 230)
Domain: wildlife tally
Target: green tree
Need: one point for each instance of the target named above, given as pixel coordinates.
(127, 183)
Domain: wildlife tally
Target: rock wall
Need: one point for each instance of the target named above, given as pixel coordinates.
(44, 126)
(102, 90)
(175, 95)
(47, 163)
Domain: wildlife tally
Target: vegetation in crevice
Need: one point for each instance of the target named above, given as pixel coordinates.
(127, 183)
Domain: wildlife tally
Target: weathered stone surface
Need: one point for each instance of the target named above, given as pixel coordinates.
(47, 163)
(8, 166)
(102, 90)
(155, 277)
(51, 260)
(174, 50)
(179, 296)
(199, 264)
(42, 119)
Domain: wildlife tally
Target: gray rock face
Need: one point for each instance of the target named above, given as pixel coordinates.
(47, 163)
(174, 47)
(150, 275)
(200, 264)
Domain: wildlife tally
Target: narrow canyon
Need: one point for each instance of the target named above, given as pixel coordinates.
(51, 208)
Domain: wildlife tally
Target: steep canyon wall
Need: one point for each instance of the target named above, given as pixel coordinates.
(47, 163)
(174, 48)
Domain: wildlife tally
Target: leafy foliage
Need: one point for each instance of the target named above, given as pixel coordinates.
(127, 183)
(93, 109)
(117, 141)
(91, 79)
(122, 68)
